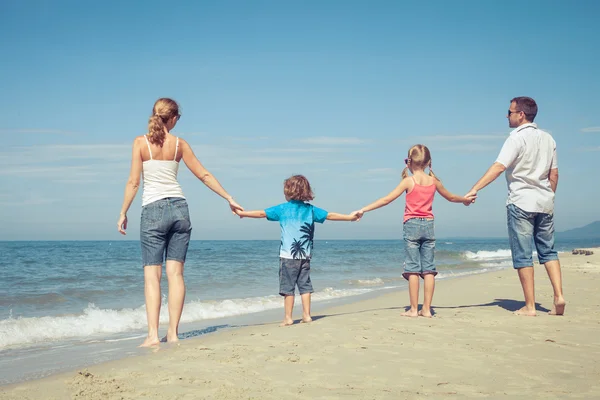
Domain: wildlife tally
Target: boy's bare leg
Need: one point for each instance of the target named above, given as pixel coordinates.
(428, 287)
(527, 283)
(306, 307)
(413, 294)
(288, 305)
(554, 273)
(152, 274)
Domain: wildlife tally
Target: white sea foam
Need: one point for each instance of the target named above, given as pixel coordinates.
(94, 322)
(487, 255)
(366, 282)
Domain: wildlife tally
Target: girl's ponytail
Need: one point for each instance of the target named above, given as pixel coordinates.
(156, 130)
(405, 173)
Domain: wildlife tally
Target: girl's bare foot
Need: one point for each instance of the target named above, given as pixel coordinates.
(287, 322)
(559, 306)
(426, 314)
(150, 342)
(410, 313)
(526, 312)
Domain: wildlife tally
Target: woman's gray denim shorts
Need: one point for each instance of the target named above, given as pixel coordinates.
(165, 231)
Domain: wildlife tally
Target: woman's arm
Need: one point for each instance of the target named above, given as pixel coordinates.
(192, 162)
(341, 217)
(251, 214)
(451, 196)
(132, 185)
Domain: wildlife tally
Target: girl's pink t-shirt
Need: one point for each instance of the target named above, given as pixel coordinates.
(419, 201)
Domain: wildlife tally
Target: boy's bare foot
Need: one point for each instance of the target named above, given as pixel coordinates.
(525, 312)
(287, 322)
(410, 313)
(150, 342)
(426, 314)
(559, 307)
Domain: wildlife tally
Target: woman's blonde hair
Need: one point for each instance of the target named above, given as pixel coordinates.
(297, 187)
(418, 157)
(164, 109)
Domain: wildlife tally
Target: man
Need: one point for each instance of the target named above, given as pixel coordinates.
(529, 159)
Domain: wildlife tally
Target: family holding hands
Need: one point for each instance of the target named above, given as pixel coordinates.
(528, 157)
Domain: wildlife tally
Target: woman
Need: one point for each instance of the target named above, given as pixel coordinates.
(165, 222)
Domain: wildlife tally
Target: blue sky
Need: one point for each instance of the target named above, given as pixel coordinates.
(335, 90)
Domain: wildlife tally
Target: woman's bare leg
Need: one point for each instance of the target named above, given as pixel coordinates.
(176, 297)
(152, 275)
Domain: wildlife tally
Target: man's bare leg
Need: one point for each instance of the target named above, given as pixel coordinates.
(527, 283)
(413, 294)
(288, 305)
(428, 287)
(554, 273)
(306, 307)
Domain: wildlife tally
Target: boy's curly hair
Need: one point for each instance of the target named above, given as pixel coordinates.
(297, 187)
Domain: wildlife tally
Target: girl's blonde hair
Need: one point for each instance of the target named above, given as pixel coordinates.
(418, 157)
(164, 109)
(297, 187)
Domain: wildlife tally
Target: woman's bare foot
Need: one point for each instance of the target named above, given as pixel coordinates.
(410, 313)
(426, 313)
(306, 319)
(287, 322)
(150, 342)
(559, 306)
(525, 312)
(170, 339)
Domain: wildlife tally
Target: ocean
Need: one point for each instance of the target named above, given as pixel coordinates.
(82, 302)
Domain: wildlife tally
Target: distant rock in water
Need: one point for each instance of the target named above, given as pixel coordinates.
(585, 232)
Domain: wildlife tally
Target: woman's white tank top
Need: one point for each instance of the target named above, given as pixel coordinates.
(160, 178)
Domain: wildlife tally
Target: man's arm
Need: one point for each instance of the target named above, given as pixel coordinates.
(490, 176)
(553, 178)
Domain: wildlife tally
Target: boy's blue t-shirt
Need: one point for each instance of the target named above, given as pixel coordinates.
(297, 221)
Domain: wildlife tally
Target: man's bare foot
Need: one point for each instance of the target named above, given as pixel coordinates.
(287, 322)
(559, 307)
(426, 314)
(150, 342)
(525, 312)
(410, 313)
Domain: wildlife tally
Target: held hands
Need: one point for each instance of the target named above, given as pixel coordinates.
(357, 215)
(470, 197)
(122, 224)
(234, 206)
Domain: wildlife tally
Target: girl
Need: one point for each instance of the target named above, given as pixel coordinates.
(419, 240)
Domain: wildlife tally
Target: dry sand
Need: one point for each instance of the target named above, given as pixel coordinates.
(473, 347)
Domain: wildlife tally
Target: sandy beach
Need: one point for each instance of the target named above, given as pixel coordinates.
(473, 347)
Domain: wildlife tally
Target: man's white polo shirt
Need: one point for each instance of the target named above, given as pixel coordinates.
(529, 154)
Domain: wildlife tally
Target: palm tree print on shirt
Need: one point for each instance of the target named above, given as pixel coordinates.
(297, 250)
(309, 234)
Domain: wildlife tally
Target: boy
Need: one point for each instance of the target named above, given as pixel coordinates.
(296, 219)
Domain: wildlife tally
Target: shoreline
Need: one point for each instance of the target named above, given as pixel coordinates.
(473, 346)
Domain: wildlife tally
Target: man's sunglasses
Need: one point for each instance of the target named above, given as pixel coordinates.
(513, 112)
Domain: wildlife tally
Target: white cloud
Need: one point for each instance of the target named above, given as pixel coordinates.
(37, 132)
(460, 138)
(591, 129)
(467, 148)
(327, 140)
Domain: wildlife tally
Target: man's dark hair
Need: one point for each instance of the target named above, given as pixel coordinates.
(527, 105)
